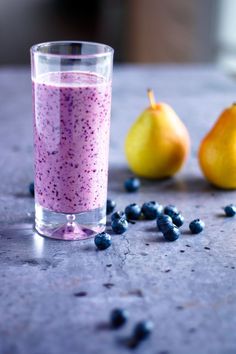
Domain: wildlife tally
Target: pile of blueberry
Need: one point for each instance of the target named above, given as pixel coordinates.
(142, 330)
(168, 218)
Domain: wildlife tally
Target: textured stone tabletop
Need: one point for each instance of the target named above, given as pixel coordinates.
(55, 296)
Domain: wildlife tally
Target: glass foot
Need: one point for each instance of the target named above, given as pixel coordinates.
(69, 227)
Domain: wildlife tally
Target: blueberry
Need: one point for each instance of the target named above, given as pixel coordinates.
(177, 219)
(133, 211)
(164, 223)
(31, 188)
(118, 215)
(118, 318)
(230, 210)
(143, 330)
(102, 241)
(151, 210)
(132, 184)
(119, 226)
(111, 204)
(196, 226)
(170, 209)
(172, 234)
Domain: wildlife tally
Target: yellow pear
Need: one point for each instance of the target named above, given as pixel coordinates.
(157, 144)
(217, 152)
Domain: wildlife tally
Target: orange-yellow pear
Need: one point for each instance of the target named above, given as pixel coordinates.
(217, 152)
(157, 144)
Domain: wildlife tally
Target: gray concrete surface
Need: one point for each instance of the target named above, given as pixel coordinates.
(55, 297)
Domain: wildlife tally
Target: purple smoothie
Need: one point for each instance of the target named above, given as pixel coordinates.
(71, 141)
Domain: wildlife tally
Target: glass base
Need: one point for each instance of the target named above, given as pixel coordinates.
(71, 227)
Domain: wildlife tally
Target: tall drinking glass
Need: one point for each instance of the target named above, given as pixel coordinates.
(71, 106)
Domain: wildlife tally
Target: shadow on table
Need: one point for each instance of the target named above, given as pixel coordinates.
(21, 226)
(184, 183)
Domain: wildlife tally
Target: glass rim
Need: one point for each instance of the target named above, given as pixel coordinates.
(35, 49)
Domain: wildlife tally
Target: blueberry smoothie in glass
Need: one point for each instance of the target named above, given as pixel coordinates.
(71, 144)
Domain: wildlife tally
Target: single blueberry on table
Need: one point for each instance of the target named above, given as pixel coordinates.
(143, 330)
(177, 219)
(119, 226)
(31, 188)
(164, 223)
(118, 318)
(102, 241)
(172, 234)
(133, 211)
(230, 210)
(118, 215)
(132, 184)
(170, 209)
(111, 204)
(196, 226)
(151, 210)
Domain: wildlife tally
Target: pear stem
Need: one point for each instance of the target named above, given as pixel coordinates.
(151, 98)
